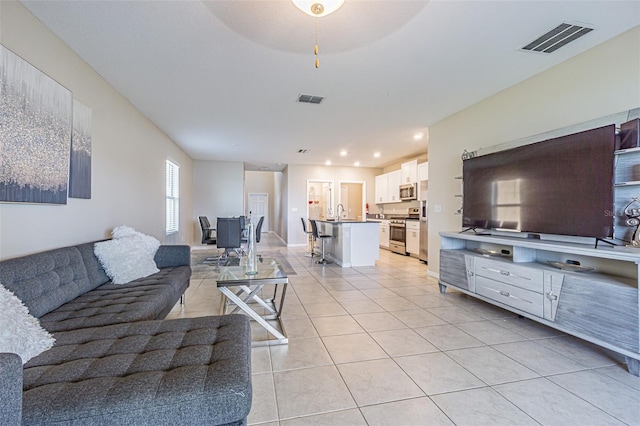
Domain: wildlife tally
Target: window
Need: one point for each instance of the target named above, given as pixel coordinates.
(173, 197)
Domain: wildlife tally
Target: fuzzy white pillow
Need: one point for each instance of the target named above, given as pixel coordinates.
(128, 256)
(20, 332)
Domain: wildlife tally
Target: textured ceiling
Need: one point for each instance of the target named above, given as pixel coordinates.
(221, 77)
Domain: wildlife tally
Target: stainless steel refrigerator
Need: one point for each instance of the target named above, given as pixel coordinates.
(424, 233)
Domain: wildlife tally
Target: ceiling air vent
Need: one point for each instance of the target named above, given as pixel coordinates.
(310, 99)
(303, 151)
(557, 37)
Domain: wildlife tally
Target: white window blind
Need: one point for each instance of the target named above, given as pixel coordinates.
(173, 197)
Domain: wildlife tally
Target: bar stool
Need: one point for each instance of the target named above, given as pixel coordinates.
(322, 237)
(309, 234)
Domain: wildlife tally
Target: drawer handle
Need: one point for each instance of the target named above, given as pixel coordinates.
(506, 273)
(470, 273)
(504, 293)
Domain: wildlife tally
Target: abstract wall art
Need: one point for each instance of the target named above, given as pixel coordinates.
(35, 133)
(80, 167)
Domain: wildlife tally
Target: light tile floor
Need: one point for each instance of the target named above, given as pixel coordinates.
(382, 346)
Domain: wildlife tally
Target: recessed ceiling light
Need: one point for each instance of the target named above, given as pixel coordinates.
(327, 163)
(418, 136)
(376, 154)
(343, 153)
(356, 164)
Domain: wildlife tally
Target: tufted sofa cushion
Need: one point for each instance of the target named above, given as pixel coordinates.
(45, 281)
(186, 371)
(144, 299)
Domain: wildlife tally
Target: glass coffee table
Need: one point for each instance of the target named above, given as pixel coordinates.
(242, 291)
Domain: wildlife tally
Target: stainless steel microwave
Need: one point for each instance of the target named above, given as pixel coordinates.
(408, 191)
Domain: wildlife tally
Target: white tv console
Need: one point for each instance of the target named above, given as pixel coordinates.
(600, 306)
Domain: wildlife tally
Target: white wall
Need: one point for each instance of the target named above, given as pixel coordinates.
(128, 156)
(297, 192)
(218, 191)
(600, 82)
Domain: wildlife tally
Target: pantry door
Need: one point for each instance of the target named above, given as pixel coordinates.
(259, 206)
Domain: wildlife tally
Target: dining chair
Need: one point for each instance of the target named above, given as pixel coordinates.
(259, 229)
(208, 233)
(228, 235)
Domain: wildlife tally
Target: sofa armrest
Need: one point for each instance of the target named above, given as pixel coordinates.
(173, 255)
(10, 389)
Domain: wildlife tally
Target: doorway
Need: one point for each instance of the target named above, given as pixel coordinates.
(259, 206)
(352, 197)
(319, 199)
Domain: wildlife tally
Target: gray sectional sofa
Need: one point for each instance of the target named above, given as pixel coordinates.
(115, 360)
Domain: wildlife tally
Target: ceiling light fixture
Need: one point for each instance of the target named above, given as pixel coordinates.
(327, 163)
(343, 153)
(356, 164)
(376, 154)
(418, 136)
(318, 9)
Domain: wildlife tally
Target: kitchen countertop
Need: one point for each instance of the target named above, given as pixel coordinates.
(337, 222)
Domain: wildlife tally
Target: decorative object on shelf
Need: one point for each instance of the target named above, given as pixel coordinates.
(632, 211)
(565, 266)
(252, 259)
(35, 133)
(318, 9)
(467, 155)
(630, 134)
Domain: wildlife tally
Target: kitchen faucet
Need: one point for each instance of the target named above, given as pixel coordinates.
(339, 211)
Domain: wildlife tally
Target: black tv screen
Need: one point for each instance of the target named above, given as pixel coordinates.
(559, 186)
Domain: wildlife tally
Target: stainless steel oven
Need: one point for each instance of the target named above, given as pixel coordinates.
(397, 236)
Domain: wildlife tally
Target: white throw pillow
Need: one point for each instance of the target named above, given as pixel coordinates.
(128, 256)
(20, 332)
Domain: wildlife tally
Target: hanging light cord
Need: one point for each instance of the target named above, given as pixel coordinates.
(315, 48)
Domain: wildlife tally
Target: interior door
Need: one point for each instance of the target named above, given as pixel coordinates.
(353, 199)
(344, 200)
(259, 206)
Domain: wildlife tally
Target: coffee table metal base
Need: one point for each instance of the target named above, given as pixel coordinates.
(248, 294)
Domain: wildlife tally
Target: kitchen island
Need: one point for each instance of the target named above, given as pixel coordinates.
(354, 243)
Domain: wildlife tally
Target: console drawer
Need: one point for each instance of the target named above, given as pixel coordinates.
(509, 273)
(515, 297)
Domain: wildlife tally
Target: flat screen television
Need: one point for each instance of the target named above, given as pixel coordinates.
(559, 186)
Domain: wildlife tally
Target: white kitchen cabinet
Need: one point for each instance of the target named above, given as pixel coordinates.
(381, 190)
(393, 186)
(384, 234)
(409, 172)
(413, 237)
(423, 171)
(388, 187)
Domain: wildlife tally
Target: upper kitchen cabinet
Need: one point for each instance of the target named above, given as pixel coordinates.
(409, 172)
(423, 171)
(394, 182)
(382, 191)
(388, 187)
